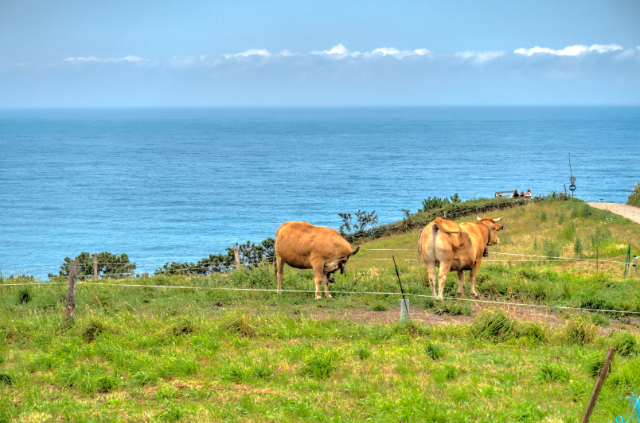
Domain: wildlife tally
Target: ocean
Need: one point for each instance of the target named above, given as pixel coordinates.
(166, 185)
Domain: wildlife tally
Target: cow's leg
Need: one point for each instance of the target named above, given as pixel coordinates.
(431, 270)
(442, 279)
(472, 278)
(279, 273)
(318, 276)
(460, 282)
(326, 286)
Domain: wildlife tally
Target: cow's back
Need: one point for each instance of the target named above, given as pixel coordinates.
(297, 241)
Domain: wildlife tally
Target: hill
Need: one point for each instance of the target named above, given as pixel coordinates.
(177, 348)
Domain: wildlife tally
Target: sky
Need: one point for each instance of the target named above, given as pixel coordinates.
(318, 53)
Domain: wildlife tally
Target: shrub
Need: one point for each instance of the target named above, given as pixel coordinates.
(568, 232)
(433, 203)
(577, 247)
(601, 235)
(578, 330)
(495, 325)
(626, 344)
(533, 331)
(634, 197)
(434, 351)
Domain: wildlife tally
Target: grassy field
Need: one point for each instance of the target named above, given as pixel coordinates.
(176, 354)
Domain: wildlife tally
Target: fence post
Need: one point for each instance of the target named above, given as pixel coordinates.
(596, 260)
(236, 253)
(95, 267)
(596, 390)
(67, 314)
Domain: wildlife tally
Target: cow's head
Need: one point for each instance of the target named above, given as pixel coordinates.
(341, 264)
(494, 227)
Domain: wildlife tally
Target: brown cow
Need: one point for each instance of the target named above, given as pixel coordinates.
(458, 247)
(305, 246)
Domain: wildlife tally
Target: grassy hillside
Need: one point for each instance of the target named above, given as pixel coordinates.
(176, 354)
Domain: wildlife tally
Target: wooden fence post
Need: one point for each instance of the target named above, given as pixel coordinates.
(596, 260)
(596, 390)
(236, 253)
(67, 314)
(95, 267)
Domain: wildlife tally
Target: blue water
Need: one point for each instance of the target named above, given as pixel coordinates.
(179, 184)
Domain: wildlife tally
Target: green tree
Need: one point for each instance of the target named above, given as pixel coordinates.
(117, 266)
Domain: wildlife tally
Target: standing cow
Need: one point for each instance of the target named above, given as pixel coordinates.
(458, 247)
(305, 246)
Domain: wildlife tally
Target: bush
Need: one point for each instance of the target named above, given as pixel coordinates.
(634, 197)
(577, 247)
(452, 308)
(5, 380)
(594, 364)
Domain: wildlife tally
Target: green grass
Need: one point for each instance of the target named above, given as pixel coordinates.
(146, 354)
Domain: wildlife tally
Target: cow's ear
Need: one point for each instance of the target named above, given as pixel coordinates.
(353, 253)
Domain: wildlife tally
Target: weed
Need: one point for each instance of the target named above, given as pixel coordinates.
(600, 319)
(143, 378)
(320, 364)
(240, 325)
(172, 413)
(183, 328)
(41, 362)
(577, 246)
(379, 307)
(93, 329)
(179, 366)
(453, 308)
(626, 344)
(408, 327)
(24, 295)
(594, 364)
(533, 331)
(543, 217)
(5, 380)
(554, 373)
(434, 351)
(568, 232)
(363, 353)
(106, 384)
(578, 330)
(493, 324)
(551, 249)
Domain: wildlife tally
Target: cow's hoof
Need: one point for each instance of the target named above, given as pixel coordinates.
(328, 296)
(475, 295)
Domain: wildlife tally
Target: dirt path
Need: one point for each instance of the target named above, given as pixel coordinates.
(624, 210)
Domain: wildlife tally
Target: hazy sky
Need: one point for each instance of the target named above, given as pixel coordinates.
(318, 53)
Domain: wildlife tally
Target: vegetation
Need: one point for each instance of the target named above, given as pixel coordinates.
(108, 263)
(634, 197)
(363, 219)
(208, 354)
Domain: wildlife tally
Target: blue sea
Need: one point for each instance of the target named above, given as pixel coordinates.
(167, 185)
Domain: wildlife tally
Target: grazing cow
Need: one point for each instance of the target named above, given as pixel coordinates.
(458, 247)
(305, 246)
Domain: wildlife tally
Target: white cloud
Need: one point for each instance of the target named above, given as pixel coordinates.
(336, 51)
(421, 51)
(479, 56)
(575, 50)
(286, 53)
(131, 59)
(251, 52)
(385, 51)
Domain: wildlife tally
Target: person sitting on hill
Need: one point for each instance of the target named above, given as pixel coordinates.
(521, 194)
(528, 194)
(515, 194)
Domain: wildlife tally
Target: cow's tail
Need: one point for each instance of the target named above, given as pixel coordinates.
(434, 228)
